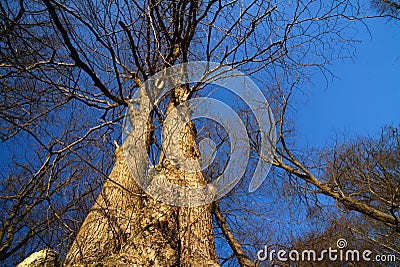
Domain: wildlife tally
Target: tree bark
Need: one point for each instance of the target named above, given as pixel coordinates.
(128, 227)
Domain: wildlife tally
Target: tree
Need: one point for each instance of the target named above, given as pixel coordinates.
(366, 169)
(70, 70)
(387, 7)
(358, 177)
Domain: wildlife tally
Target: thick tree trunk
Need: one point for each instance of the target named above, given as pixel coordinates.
(128, 227)
(123, 226)
(195, 223)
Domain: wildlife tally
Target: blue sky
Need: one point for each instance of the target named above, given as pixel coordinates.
(364, 97)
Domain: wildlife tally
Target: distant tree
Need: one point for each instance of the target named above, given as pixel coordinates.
(357, 235)
(364, 172)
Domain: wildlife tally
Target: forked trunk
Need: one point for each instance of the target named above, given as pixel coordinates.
(127, 227)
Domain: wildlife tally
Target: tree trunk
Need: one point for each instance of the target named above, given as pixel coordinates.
(128, 227)
(194, 223)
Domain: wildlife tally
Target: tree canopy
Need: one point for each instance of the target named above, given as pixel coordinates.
(71, 69)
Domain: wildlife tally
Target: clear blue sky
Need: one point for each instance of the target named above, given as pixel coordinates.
(364, 98)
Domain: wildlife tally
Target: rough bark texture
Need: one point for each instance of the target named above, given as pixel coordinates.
(126, 227)
(195, 223)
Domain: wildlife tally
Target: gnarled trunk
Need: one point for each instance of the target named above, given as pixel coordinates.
(127, 227)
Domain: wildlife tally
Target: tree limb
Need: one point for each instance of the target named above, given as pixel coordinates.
(233, 243)
(75, 56)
